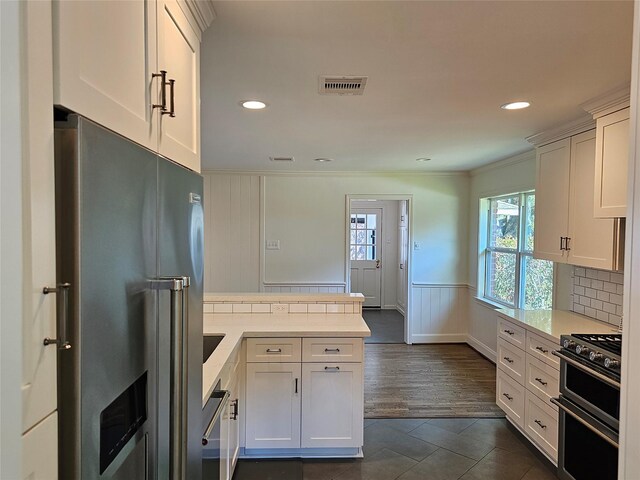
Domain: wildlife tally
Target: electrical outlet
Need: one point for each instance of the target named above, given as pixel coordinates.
(416, 245)
(273, 244)
(279, 308)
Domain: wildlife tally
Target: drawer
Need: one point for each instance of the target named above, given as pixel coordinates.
(511, 332)
(274, 350)
(510, 396)
(541, 424)
(542, 379)
(542, 349)
(511, 360)
(332, 349)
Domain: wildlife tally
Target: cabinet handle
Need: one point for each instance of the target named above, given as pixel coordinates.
(296, 390)
(172, 111)
(331, 369)
(509, 397)
(566, 243)
(274, 350)
(540, 424)
(234, 414)
(329, 350)
(508, 359)
(62, 289)
(509, 332)
(163, 91)
(561, 243)
(540, 381)
(543, 350)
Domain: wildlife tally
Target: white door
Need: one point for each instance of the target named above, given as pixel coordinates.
(179, 56)
(332, 405)
(273, 405)
(552, 200)
(365, 249)
(104, 59)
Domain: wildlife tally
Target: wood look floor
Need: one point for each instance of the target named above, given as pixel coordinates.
(427, 381)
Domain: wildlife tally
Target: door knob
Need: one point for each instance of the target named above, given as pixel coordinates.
(377, 263)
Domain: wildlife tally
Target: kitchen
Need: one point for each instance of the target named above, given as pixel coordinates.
(447, 234)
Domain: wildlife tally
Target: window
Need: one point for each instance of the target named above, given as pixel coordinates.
(363, 236)
(512, 276)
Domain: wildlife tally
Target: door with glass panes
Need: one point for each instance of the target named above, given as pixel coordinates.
(365, 254)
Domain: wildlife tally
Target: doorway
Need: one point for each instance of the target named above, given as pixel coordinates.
(377, 263)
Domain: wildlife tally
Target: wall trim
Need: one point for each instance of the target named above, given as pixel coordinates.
(481, 348)
(562, 131)
(438, 285)
(439, 338)
(335, 173)
(505, 162)
(304, 284)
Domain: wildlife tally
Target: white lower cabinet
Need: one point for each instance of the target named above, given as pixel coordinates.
(541, 424)
(40, 450)
(332, 405)
(510, 397)
(273, 405)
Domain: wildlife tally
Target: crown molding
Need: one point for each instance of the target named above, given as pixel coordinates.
(609, 102)
(505, 162)
(201, 12)
(308, 173)
(562, 131)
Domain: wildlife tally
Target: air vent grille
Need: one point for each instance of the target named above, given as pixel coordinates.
(281, 159)
(341, 85)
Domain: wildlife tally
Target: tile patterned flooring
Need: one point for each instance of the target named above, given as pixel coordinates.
(418, 449)
(387, 326)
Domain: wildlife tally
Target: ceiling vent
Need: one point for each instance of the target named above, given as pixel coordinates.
(281, 159)
(341, 85)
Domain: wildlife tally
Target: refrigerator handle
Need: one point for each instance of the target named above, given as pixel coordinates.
(62, 289)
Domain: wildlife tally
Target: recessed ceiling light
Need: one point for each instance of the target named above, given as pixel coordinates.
(253, 104)
(323, 160)
(423, 159)
(515, 105)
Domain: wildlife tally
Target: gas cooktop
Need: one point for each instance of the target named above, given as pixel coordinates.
(601, 350)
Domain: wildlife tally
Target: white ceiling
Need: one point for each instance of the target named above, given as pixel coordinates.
(438, 73)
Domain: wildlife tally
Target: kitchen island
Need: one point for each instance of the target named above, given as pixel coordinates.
(296, 380)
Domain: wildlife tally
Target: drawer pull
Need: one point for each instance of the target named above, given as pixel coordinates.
(509, 332)
(540, 424)
(509, 397)
(540, 381)
(274, 350)
(332, 369)
(508, 359)
(543, 350)
(331, 350)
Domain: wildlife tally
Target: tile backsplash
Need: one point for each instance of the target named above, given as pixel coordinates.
(598, 294)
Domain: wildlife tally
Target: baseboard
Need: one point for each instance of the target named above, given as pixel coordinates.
(401, 309)
(481, 348)
(439, 338)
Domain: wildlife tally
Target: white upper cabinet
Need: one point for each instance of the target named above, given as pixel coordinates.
(179, 56)
(108, 56)
(566, 229)
(104, 58)
(612, 159)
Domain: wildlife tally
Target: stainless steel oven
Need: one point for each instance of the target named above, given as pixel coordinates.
(211, 417)
(589, 407)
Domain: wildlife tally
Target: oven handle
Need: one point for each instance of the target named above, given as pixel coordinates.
(557, 402)
(591, 372)
(214, 418)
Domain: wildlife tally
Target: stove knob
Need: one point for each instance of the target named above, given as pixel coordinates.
(595, 357)
(611, 363)
(568, 344)
(582, 350)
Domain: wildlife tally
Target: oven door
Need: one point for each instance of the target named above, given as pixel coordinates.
(212, 416)
(587, 448)
(592, 390)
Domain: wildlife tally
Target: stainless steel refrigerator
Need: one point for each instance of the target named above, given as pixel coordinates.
(130, 270)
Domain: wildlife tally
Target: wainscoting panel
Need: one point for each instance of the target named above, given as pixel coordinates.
(303, 288)
(438, 313)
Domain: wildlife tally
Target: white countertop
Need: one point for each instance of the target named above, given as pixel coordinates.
(237, 326)
(283, 297)
(553, 323)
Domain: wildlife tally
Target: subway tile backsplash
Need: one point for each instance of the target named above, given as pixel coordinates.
(598, 294)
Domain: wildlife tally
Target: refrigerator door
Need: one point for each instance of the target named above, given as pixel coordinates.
(180, 254)
(106, 209)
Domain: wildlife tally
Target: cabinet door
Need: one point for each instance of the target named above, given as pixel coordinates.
(225, 429)
(104, 58)
(234, 424)
(332, 405)
(40, 450)
(591, 239)
(612, 160)
(179, 55)
(552, 199)
(273, 405)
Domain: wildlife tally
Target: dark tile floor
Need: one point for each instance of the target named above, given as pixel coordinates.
(387, 326)
(418, 449)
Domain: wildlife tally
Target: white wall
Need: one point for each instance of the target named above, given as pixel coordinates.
(511, 175)
(10, 240)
